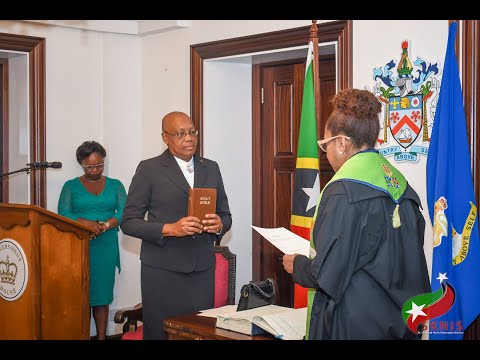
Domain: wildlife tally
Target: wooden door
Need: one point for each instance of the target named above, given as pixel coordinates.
(282, 86)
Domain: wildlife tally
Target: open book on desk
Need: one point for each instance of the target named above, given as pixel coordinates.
(282, 322)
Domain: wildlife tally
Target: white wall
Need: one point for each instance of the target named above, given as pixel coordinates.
(427, 39)
(166, 68)
(116, 88)
(121, 135)
(228, 140)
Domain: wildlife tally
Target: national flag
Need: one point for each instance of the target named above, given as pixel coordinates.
(451, 204)
(306, 183)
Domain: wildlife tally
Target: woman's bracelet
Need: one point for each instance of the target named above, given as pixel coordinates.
(106, 223)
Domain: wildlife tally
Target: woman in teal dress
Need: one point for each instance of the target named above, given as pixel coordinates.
(97, 201)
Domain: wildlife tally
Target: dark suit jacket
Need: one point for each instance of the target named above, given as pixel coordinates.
(160, 188)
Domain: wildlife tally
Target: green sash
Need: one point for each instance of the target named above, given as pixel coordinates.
(372, 169)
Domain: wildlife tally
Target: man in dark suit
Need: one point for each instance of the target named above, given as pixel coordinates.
(177, 253)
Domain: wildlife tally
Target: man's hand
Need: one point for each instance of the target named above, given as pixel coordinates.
(213, 224)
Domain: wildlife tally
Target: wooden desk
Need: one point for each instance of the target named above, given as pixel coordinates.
(193, 327)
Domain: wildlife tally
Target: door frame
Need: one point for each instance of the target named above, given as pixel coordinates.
(340, 31)
(35, 48)
(4, 129)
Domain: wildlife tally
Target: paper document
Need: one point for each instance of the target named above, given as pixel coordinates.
(214, 312)
(286, 325)
(282, 322)
(286, 241)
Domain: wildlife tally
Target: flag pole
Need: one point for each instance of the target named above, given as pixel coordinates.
(316, 82)
(307, 164)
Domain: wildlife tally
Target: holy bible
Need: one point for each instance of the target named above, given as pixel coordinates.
(202, 201)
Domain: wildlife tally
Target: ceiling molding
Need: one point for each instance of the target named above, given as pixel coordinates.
(148, 27)
(128, 27)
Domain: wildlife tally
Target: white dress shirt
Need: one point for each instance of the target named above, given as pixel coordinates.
(187, 169)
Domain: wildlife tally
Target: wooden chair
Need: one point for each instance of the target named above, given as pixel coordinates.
(225, 273)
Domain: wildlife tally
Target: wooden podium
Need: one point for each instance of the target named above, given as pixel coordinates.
(44, 275)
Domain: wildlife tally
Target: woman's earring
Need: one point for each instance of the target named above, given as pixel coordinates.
(341, 152)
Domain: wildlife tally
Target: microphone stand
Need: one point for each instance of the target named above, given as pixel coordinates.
(27, 170)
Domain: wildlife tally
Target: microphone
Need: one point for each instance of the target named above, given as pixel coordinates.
(54, 165)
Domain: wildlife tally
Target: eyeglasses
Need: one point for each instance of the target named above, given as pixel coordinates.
(181, 135)
(323, 143)
(91, 167)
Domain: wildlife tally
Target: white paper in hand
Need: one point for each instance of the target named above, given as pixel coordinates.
(286, 241)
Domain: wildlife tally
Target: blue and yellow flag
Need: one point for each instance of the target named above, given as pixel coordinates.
(451, 204)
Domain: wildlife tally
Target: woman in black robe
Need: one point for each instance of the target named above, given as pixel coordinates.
(367, 235)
